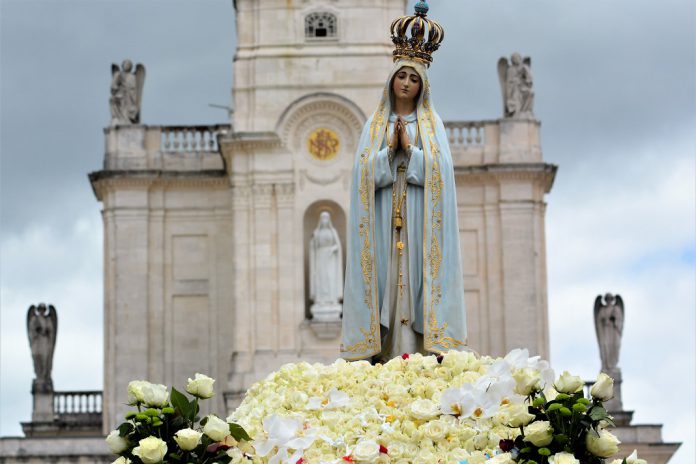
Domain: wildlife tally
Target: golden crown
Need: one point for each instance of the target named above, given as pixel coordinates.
(425, 34)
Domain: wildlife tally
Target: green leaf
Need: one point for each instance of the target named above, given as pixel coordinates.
(125, 429)
(560, 438)
(238, 432)
(204, 421)
(544, 451)
(180, 402)
(597, 413)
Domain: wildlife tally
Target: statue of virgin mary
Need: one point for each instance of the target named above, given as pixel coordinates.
(404, 290)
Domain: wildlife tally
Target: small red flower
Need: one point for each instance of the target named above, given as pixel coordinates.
(404, 356)
(300, 461)
(347, 458)
(383, 449)
(506, 445)
(439, 359)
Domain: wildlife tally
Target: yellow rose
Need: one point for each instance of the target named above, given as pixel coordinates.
(602, 444)
(527, 380)
(150, 450)
(424, 409)
(515, 415)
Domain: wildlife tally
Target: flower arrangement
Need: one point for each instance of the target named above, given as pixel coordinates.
(456, 408)
(164, 429)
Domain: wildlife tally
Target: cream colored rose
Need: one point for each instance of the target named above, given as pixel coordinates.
(527, 380)
(155, 395)
(515, 415)
(568, 383)
(435, 430)
(150, 450)
(366, 450)
(236, 455)
(563, 458)
(188, 439)
(539, 433)
(603, 388)
(603, 444)
(135, 391)
(216, 428)
(117, 444)
(122, 460)
(424, 409)
(633, 458)
(502, 458)
(201, 386)
(397, 450)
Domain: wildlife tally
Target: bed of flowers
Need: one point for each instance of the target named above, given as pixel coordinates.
(456, 408)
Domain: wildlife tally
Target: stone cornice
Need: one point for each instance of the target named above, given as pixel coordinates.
(249, 141)
(104, 180)
(544, 172)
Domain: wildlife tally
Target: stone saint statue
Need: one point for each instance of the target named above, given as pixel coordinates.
(326, 271)
(404, 290)
(42, 325)
(517, 86)
(126, 93)
(609, 319)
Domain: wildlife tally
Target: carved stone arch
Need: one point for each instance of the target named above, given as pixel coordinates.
(321, 110)
(310, 220)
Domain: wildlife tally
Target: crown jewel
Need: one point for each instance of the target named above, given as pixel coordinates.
(416, 36)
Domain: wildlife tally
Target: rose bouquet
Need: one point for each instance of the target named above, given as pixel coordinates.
(164, 429)
(456, 408)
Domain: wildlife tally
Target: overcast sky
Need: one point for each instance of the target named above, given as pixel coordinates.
(614, 82)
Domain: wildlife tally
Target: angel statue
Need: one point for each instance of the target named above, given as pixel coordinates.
(404, 290)
(42, 325)
(609, 319)
(126, 93)
(517, 86)
(326, 271)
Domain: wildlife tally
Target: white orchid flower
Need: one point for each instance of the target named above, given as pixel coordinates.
(285, 434)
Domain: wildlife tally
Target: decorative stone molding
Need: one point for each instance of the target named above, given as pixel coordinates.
(103, 181)
(499, 172)
(317, 110)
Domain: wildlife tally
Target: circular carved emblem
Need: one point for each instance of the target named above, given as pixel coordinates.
(323, 144)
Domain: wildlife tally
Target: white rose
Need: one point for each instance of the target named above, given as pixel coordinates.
(366, 450)
(563, 458)
(187, 439)
(502, 458)
(527, 380)
(603, 444)
(633, 458)
(216, 428)
(155, 395)
(117, 444)
(201, 386)
(236, 455)
(150, 450)
(435, 430)
(122, 460)
(516, 415)
(424, 409)
(539, 433)
(568, 383)
(135, 391)
(603, 388)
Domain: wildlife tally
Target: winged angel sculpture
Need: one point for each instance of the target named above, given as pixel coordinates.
(42, 325)
(609, 320)
(517, 86)
(126, 93)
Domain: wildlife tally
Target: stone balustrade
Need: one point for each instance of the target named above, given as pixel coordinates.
(77, 402)
(190, 139)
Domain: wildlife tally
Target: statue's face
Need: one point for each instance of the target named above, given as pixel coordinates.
(407, 84)
(516, 59)
(127, 65)
(324, 219)
(609, 298)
